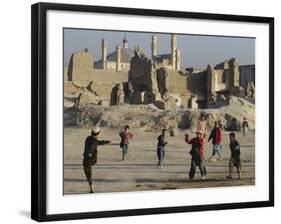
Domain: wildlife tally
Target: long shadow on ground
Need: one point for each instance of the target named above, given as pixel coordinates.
(151, 180)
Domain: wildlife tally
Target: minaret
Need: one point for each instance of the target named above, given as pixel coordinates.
(178, 59)
(173, 50)
(104, 54)
(153, 46)
(118, 58)
(125, 42)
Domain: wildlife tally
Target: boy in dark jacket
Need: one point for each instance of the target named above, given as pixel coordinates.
(91, 154)
(216, 136)
(197, 153)
(235, 156)
(161, 148)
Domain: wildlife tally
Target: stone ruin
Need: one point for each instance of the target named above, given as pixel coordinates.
(117, 94)
(250, 92)
(146, 84)
(223, 81)
(149, 82)
(192, 103)
(79, 80)
(143, 79)
(162, 82)
(150, 87)
(80, 68)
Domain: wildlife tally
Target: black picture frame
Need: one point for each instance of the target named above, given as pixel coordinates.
(39, 108)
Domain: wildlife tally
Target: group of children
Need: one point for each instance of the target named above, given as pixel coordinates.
(197, 149)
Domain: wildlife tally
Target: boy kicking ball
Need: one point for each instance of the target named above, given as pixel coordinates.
(91, 154)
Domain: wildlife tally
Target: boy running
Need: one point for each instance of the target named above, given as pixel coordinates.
(216, 136)
(161, 148)
(235, 156)
(124, 144)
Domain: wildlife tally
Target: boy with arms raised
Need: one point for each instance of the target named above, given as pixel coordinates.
(197, 154)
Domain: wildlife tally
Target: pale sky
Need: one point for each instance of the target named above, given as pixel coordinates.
(196, 51)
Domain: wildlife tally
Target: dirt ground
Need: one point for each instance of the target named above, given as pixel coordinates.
(138, 172)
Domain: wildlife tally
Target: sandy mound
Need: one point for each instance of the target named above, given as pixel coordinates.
(149, 117)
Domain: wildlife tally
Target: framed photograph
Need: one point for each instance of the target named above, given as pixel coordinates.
(139, 111)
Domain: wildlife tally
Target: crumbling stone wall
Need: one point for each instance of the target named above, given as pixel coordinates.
(233, 73)
(148, 82)
(143, 79)
(80, 69)
(234, 79)
(163, 82)
(196, 84)
(177, 83)
(250, 91)
(117, 94)
(224, 78)
(192, 102)
(223, 65)
(211, 85)
(65, 74)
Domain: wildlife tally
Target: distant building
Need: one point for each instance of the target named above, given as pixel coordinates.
(118, 59)
(121, 57)
(171, 60)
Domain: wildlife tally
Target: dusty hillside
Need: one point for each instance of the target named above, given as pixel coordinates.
(148, 117)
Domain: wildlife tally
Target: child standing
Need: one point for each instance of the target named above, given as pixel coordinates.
(245, 126)
(202, 125)
(235, 156)
(161, 148)
(91, 154)
(124, 144)
(216, 136)
(197, 153)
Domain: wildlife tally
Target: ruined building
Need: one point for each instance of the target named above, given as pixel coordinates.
(207, 88)
(80, 68)
(142, 79)
(150, 83)
(223, 80)
(127, 76)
